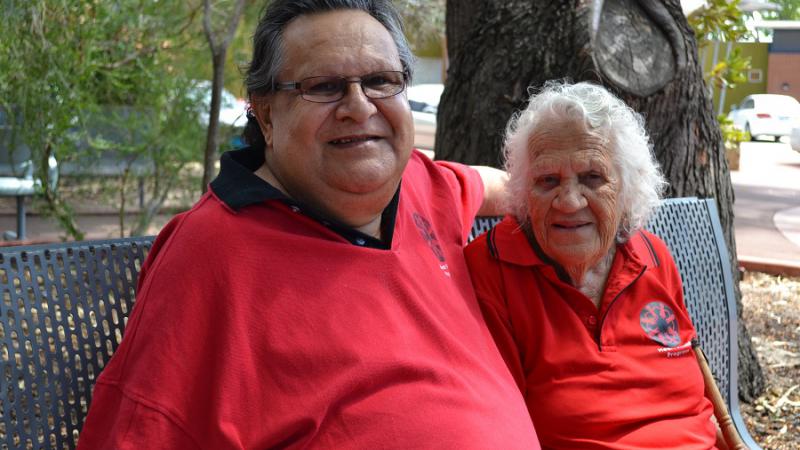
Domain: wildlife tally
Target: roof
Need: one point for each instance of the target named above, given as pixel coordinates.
(690, 6)
(777, 24)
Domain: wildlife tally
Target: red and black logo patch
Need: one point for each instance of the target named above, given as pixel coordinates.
(660, 324)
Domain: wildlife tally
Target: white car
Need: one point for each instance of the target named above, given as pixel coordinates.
(766, 115)
(424, 101)
(232, 111)
(794, 138)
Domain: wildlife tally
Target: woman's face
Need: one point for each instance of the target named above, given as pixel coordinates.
(573, 202)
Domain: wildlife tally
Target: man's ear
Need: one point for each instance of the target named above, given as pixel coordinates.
(263, 113)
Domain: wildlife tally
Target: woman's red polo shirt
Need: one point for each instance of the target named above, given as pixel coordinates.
(622, 376)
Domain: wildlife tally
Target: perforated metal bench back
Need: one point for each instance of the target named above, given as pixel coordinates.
(687, 227)
(692, 231)
(64, 308)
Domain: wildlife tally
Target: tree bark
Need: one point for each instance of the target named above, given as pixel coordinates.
(511, 46)
(459, 15)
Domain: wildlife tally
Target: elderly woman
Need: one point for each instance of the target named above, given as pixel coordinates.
(585, 306)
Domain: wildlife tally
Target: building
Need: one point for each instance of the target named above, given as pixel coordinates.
(783, 64)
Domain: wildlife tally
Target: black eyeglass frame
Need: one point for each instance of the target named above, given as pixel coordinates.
(344, 82)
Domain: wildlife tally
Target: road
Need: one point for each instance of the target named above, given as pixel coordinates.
(767, 206)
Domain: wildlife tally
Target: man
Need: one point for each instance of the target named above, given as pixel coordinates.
(317, 295)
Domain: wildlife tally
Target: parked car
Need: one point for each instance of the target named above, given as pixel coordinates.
(232, 110)
(766, 115)
(424, 102)
(794, 138)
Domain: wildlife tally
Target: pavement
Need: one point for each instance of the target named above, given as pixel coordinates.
(767, 208)
(767, 211)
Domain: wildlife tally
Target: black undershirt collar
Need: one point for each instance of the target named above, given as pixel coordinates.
(238, 186)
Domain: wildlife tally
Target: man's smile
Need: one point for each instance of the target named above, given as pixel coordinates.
(356, 139)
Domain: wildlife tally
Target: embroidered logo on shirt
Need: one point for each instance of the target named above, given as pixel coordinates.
(426, 231)
(660, 324)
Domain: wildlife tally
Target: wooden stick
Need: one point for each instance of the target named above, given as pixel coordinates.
(729, 433)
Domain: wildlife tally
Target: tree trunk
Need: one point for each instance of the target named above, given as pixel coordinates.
(212, 132)
(644, 51)
(460, 15)
(218, 42)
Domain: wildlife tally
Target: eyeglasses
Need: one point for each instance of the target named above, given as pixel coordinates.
(329, 89)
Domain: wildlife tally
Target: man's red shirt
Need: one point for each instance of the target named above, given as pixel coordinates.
(257, 326)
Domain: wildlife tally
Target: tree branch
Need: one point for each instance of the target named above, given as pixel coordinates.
(233, 23)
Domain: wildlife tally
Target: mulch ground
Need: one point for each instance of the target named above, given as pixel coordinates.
(772, 313)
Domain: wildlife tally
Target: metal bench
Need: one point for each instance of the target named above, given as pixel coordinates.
(64, 309)
(16, 170)
(17, 167)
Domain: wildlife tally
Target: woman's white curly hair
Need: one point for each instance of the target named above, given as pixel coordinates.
(604, 115)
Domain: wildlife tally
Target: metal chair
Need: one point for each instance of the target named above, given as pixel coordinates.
(691, 229)
(64, 308)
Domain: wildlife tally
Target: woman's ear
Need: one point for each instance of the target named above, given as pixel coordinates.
(262, 111)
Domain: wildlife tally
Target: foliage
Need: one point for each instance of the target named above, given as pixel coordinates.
(88, 80)
(731, 135)
(721, 20)
(729, 72)
(424, 21)
(195, 59)
(789, 10)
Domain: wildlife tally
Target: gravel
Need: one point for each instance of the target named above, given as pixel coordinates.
(772, 314)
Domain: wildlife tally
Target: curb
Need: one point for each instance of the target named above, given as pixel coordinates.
(27, 242)
(771, 266)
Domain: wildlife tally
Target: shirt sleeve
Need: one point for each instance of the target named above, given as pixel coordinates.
(122, 423)
(467, 185)
(487, 281)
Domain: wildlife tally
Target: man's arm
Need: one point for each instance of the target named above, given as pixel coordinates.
(494, 188)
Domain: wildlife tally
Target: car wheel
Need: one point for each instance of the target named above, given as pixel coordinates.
(747, 131)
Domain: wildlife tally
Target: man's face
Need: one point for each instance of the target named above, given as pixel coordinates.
(344, 158)
(573, 204)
